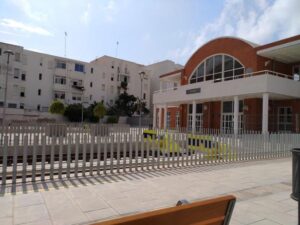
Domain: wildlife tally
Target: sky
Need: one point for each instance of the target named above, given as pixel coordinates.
(147, 31)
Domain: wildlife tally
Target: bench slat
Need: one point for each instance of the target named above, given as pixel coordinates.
(215, 211)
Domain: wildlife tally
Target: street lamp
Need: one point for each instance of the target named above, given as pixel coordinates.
(142, 76)
(9, 53)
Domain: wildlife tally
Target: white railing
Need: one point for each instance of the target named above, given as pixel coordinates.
(41, 154)
(262, 72)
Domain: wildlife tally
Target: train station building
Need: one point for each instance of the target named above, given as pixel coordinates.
(233, 85)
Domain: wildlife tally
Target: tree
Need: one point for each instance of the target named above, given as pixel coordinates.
(125, 105)
(99, 110)
(57, 107)
(89, 113)
(73, 112)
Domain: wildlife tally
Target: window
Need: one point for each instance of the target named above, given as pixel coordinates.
(168, 119)
(92, 70)
(16, 73)
(112, 77)
(23, 76)
(79, 67)
(0, 51)
(39, 91)
(59, 95)
(177, 119)
(103, 87)
(61, 65)
(21, 105)
(91, 97)
(40, 76)
(38, 107)
(17, 57)
(285, 121)
(76, 98)
(218, 68)
(112, 64)
(60, 80)
(91, 84)
(12, 105)
(144, 96)
(22, 94)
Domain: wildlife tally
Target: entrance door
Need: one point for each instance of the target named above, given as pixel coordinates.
(285, 119)
(199, 117)
(227, 116)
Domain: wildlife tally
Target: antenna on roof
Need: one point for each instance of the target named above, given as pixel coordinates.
(117, 49)
(66, 44)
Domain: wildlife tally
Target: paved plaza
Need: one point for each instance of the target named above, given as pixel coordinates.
(262, 188)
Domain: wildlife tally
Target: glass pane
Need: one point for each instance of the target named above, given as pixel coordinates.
(238, 72)
(218, 64)
(201, 70)
(237, 64)
(281, 110)
(228, 75)
(227, 107)
(218, 77)
(209, 65)
(228, 63)
(193, 81)
(190, 108)
(209, 77)
(289, 110)
(199, 108)
(241, 105)
(200, 79)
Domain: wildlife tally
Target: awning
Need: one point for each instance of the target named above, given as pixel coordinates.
(286, 53)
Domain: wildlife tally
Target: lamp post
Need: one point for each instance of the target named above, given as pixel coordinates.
(142, 76)
(9, 53)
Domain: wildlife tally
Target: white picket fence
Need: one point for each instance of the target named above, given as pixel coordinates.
(42, 155)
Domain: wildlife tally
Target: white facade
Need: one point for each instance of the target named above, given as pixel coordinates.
(36, 79)
(155, 71)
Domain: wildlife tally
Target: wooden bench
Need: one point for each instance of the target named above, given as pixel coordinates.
(215, 211)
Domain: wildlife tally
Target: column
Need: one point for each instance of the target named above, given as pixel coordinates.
(165, 116)
(236, 115)
(159, 117)
(194, 117)
(154, 125)
(265, 113)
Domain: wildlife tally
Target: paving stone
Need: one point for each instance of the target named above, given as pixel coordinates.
(102, 214)
(6, 221)
(6, 206)
(87, 204)
(21, 200)
(30, 213)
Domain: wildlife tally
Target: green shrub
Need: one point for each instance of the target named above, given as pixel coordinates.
(112, 119)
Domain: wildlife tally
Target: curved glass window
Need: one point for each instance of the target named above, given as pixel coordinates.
(218, 67)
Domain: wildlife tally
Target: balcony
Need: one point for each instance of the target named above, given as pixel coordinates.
(250, 84)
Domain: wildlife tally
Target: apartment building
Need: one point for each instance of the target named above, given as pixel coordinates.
(36, 79)
(234, 85)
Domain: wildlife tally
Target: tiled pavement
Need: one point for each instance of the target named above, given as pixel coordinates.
(263, 190)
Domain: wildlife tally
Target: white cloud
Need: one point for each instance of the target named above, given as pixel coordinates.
(26, 7)
(19, 26)
(259, 21)
(110, 10)
(86, 16)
